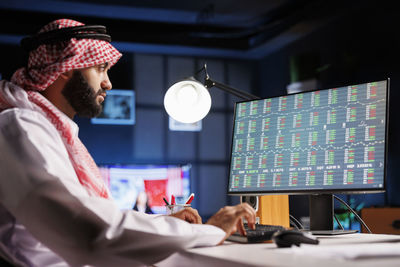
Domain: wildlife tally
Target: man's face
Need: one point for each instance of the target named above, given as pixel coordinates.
(86, 90)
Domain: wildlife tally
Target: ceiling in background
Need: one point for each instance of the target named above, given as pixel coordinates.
(237, 28)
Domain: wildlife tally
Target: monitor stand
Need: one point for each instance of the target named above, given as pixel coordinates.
(321, 216)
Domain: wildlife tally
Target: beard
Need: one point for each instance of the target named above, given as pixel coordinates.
(81, 96)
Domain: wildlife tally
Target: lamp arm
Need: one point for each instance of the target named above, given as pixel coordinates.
(239, 93)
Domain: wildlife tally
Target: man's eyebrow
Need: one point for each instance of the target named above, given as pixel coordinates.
(105, 64)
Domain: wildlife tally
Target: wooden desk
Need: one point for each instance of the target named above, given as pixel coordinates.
(380, 220)
(267, 254)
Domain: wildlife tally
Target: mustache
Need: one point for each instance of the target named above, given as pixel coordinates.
(100, 91)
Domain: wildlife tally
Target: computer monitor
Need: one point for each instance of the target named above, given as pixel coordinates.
(126, 181)
(317, 143)
(118, 108)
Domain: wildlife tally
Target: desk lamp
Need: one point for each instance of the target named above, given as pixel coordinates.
(189, 101)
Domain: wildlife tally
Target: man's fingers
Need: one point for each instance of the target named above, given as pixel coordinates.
(249, 208)
(196, 215)
(230, 219)
(190, 217)
(240, 227)
(246, 211)
(193, 214)
(188, 214)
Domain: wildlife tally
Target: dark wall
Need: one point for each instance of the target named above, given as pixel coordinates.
(361, 46)
(12, 58)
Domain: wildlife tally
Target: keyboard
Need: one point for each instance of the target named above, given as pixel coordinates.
(263, 232)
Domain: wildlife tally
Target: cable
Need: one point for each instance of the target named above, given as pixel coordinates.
(355, 214)
(296, 222)
(291, 222)
(338, 222)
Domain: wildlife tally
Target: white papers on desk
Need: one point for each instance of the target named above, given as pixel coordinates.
(348, 252)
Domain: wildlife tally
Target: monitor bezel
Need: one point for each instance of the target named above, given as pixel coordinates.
(317, 191)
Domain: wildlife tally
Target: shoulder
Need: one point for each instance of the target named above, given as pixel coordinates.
(20, 115)
(25, 123)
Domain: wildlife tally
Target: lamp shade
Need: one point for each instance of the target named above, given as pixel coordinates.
(187, 101)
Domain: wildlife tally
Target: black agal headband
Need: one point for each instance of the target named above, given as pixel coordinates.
(64, 34)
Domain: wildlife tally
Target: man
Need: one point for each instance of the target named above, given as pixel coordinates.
(55, 209)
(142, 203)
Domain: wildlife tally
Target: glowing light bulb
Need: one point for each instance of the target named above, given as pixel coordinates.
(187, 101)
(187, 95)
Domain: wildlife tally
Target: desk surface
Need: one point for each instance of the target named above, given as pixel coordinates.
(330, 252)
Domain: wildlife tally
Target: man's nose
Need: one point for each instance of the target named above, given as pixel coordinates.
(106, 84)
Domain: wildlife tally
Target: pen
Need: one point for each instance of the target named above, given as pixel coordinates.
(172, 200)
(190, 198)
(166, 202)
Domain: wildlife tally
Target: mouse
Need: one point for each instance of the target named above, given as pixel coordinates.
(287, 238)
(396, 224)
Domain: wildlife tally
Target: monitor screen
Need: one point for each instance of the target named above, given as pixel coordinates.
(118, 108)
(331, 140)
(127, 181)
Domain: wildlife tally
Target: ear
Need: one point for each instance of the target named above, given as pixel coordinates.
(67, 75)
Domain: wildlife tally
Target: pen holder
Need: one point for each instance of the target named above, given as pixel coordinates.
(171, 209)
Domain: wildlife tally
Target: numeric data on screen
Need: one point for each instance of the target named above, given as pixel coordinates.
(322, 140)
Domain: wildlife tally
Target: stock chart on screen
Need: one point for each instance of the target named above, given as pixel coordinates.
(331, 139)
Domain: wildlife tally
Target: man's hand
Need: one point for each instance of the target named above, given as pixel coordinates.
(188, 214)
(230, 220)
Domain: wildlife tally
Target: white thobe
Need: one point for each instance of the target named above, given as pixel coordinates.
(48, 218)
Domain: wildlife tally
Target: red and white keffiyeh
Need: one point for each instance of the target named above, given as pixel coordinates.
(45, 65)
(47, 62)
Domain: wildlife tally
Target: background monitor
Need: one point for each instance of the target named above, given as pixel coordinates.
(118, 108)
(316, 143)
(127, 181)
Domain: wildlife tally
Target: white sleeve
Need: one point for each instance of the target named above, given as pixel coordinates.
(39, 187)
